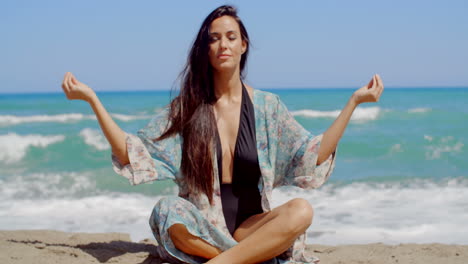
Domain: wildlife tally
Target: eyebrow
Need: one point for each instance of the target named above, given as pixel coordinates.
(228, 32)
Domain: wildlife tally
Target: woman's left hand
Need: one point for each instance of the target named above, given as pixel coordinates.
(371, 92)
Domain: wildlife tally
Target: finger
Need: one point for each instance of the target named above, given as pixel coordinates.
(374, 82)
(369, 85)
(381, 86)
(376, 87)
(381, 90)
(67, 85)
(71, 85)
(381, 82)
(65, 82)
(379, 93)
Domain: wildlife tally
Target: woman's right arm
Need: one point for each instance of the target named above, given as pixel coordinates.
(76, 90)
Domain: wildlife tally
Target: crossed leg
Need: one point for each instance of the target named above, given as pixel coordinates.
(261, 237)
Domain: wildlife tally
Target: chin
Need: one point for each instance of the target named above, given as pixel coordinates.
(226, 66)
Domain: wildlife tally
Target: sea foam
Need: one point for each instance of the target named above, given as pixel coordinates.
(94, 138)
(440, 145)
(8, 120)
(412, 212)
(14, 146)
(47, 186)
(360, 114)
(61, 118)
(70, 202)
(127, 213)
(419, 110)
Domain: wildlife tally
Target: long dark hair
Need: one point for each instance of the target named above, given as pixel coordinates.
(191, 112)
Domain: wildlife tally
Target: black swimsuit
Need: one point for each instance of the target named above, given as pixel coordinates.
(242, 199)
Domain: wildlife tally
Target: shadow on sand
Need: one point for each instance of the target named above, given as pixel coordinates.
(103, 251)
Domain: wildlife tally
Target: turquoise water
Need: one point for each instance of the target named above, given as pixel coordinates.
(413, 139)
(410, 133)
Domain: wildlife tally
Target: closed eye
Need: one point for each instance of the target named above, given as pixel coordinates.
(215, 36)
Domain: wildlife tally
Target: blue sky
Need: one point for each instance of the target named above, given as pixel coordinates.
(142, 45)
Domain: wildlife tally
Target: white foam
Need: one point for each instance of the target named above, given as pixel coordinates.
(428, 138)
(444, 145)
(62, 118)
(366, 114)
(127, 213)
(70, 202)
(421, 212)
(360, 114)
(46, 186)
(95, 138)
(14, 146)
(128, 118)
(8, 120)
(315, 113)
(419, 110)
(396, 148)
(416, 212)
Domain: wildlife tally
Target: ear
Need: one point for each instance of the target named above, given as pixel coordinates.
(244, 46)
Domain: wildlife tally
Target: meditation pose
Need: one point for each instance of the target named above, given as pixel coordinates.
(227, 146)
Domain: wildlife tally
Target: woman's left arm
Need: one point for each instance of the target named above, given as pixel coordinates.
(368, 93)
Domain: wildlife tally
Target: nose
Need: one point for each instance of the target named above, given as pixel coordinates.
(223, 43)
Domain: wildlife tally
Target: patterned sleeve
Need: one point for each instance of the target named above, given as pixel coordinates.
(150, 160)
(298, 153)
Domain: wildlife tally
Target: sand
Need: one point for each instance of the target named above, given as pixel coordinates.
(48, 246)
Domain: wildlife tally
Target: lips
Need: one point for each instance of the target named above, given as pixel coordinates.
(223, 56)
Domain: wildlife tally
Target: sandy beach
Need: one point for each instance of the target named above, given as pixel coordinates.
(48, 246)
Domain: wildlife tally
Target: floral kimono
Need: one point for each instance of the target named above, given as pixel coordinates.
(287, 155)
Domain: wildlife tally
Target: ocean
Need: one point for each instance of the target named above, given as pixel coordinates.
(401, 172)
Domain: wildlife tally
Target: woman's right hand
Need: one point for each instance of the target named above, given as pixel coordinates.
(76, 90)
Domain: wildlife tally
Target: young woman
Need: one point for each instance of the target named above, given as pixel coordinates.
(227, 146)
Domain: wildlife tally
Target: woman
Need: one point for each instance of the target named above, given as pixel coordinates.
(227, 146)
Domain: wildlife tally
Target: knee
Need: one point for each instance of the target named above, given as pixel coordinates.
(300, 214)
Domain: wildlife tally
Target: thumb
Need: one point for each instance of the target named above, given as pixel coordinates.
(374, 81)
(74, 80)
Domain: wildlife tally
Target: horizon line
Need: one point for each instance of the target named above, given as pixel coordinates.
(266, 89)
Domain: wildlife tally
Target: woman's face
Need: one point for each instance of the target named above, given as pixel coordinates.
(226, 44)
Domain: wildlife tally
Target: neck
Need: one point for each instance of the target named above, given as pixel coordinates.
(228, 85)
